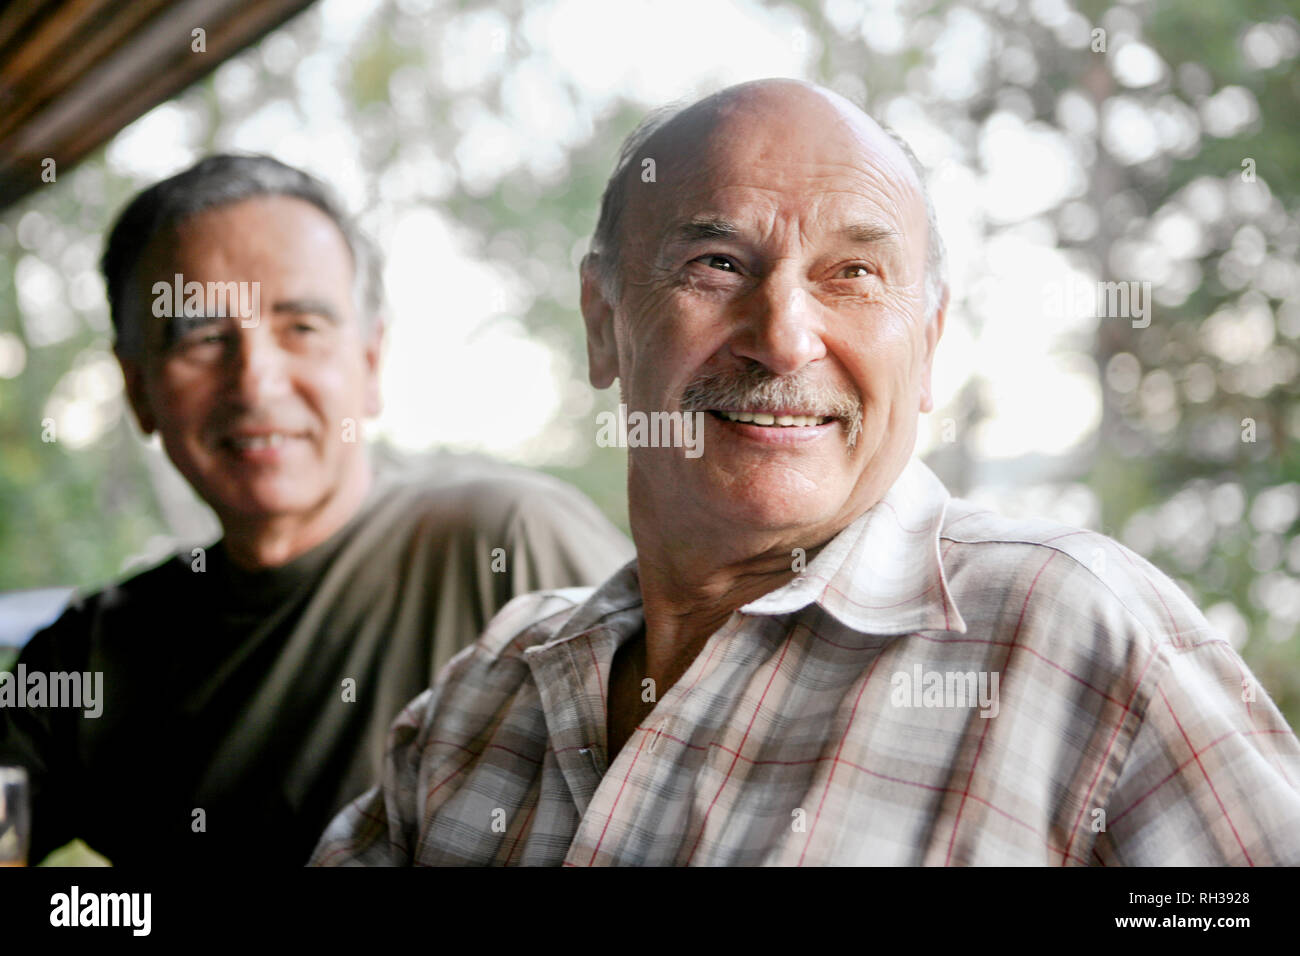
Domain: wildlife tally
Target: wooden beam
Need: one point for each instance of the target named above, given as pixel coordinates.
(75, 75)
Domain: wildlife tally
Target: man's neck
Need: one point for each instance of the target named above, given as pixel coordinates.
(687, 595)
(262, 543)
(696, 571)
(691, 585)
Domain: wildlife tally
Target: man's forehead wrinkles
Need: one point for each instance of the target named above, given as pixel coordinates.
(768, 144)
(779, 174)
(780, 177)
(721, 214)
(755, 192)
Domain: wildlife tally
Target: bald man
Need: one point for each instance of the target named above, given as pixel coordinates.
(818, 656)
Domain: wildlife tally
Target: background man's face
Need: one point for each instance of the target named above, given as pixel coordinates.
(256, 418)
(781, 241)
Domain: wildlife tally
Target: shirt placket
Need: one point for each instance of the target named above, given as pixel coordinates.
(647, 753)
(573, 703)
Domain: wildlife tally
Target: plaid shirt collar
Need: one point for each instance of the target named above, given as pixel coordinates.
(880, 575)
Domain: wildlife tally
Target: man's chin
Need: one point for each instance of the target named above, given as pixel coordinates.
(263, 499)
(756, 512)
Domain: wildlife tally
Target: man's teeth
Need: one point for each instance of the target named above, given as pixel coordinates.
(784, 421)
(259, 441)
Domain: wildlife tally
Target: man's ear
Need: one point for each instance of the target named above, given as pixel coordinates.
(598, 314)
(374, 341)
(933, 331)
(137, 395)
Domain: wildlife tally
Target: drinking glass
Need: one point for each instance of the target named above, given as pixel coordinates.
(15, 816)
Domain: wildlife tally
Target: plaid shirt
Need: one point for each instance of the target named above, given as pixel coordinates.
(839, 720)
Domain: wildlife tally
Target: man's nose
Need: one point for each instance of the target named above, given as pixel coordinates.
(259, 372)
(782, 327)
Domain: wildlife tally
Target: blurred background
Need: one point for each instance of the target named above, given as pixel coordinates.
(1069, 143)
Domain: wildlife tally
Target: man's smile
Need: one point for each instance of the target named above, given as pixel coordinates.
(261, 445)
(770, 427)
(778, 418)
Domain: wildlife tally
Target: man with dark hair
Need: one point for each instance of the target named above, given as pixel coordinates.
(248, 687)
(819, 657)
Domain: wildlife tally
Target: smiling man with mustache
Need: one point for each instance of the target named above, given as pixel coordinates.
(249, 687)
(818, 656)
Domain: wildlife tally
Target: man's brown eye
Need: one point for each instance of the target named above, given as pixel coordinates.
(856, 272)
(720, 262)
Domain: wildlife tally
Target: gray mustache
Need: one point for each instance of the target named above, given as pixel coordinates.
(754, 385)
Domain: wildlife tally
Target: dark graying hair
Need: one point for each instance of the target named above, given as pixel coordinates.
(605, 242)
(221, 180)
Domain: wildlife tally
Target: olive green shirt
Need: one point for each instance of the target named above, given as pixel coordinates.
(242, 710)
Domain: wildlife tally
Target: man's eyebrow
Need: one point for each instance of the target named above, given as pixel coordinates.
(702, 228)
(870, 232)
(307, 307)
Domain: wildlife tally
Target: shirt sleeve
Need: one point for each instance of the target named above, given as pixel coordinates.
(379, 827)
(1213, 774)
(384, 826)
(557, 538)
